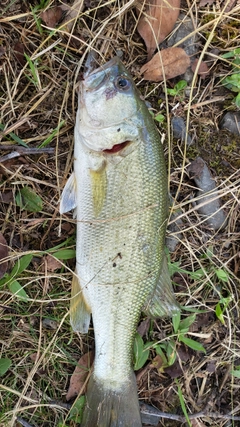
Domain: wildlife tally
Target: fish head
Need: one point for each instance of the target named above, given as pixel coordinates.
(108, 118)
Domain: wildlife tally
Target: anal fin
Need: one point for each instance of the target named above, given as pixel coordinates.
(162, 301)
(80, 312)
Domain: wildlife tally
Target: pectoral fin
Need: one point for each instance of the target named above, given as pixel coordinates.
(69, 195)
(79, 310)
(162, 301)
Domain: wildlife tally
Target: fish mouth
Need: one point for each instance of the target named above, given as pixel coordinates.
(116, 148)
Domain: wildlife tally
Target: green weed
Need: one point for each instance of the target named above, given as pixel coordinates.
(232, 82)
(28, 200)
(52, 135)
(34, 73)
(182, 403)
(5, 364)
(76, 411)
(236, 372)
(178, 89)
(167, 350)
(14, 137)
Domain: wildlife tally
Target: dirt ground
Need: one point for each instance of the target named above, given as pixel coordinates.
(41, 63)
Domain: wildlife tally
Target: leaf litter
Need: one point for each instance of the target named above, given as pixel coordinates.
(42, 358)
(166, 64)
(157, 21)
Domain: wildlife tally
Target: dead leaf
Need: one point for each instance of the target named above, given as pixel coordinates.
(140, 376)
(157, 22)
(3, 255)
(79, 376)
(167, 63)
(231, 4)
(71, 13)
(18, 50)
(157, 362)
(6, 197)
(144, 327)
(204, 2)
(203, 69)
(51, 263)
(52, 16)
(211, 366)
(175, 370)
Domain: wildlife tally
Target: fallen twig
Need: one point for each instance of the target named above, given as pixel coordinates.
(23, 422)
(152, 415)
(22, 151)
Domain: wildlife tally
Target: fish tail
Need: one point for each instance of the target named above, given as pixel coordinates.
(107, 407)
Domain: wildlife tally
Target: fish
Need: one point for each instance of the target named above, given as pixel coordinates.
(118, 190)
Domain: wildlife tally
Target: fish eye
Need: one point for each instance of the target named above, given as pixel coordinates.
(122, 83)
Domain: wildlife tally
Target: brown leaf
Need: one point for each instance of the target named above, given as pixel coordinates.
(52, 16)
(157, 362)
(52, 263)
(167, 63)
(18, 50)
(3, 255)
(144, 327)
(203, 69)
(204, 2)
(175, 370)
(140, 375)
(79, 376)
(157, 22)
(231, 4)
(72, 13)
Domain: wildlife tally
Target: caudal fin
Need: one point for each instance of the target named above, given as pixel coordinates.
(111, 408)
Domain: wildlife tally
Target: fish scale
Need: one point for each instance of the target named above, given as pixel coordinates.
(119, 192)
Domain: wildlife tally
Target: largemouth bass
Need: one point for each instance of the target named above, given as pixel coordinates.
(119, 192)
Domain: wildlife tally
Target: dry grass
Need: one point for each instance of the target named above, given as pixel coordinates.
(32, 105)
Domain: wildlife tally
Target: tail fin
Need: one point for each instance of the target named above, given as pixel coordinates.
(112, 408)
